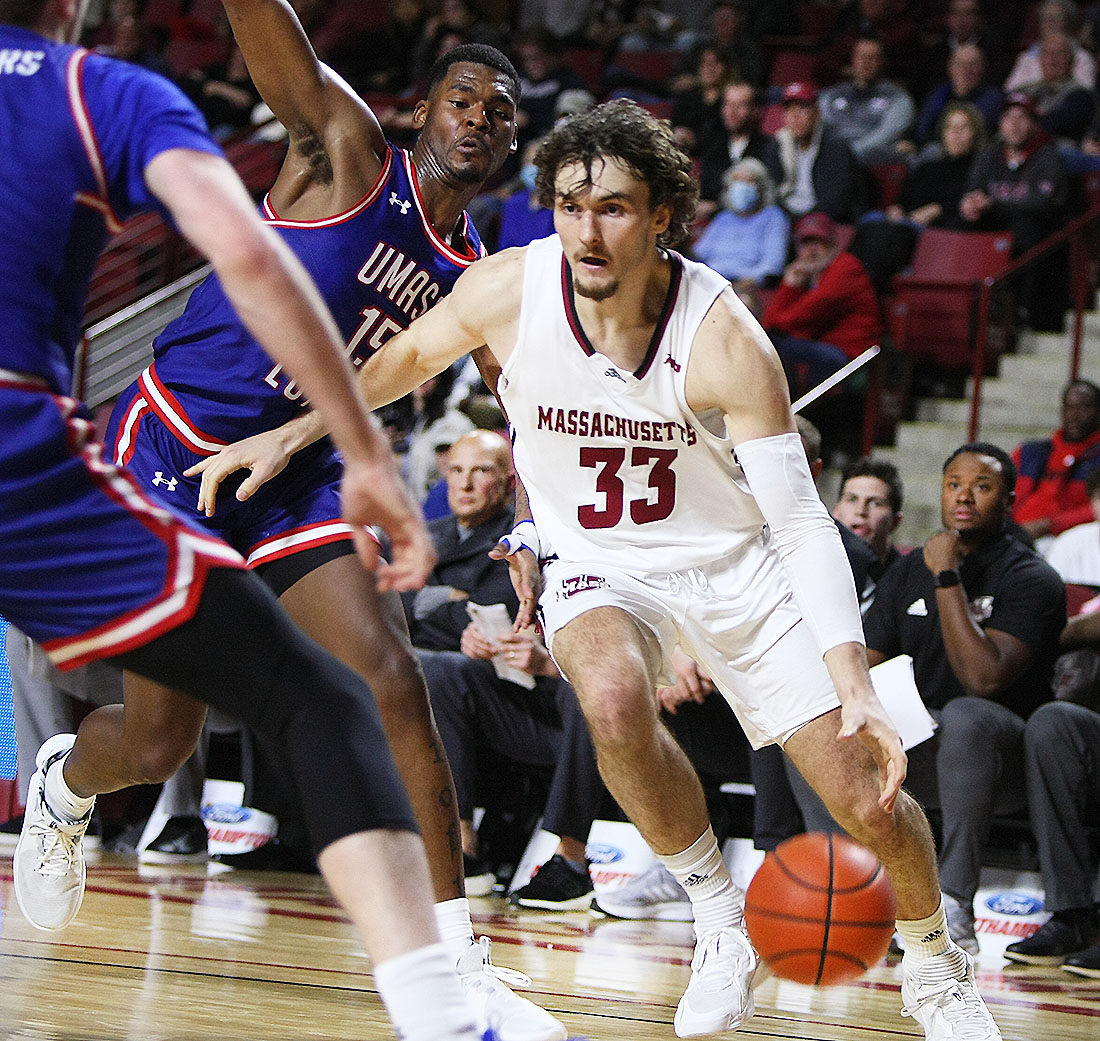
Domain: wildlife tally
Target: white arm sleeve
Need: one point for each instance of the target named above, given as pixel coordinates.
(806, 537)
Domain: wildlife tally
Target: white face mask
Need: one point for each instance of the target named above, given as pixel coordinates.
(742, 196)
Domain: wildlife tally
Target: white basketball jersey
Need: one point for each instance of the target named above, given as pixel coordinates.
(618, 469)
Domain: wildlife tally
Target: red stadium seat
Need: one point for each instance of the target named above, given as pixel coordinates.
(932, 313)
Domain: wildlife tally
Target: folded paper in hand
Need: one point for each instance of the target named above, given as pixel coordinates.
(897, 690)
(494, 621)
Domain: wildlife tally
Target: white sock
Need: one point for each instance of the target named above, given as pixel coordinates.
(60, 797)
(926, 937)
(452, 918)
(715, 901)
(423, 997)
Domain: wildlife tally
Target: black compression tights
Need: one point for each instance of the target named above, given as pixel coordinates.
(241, 653)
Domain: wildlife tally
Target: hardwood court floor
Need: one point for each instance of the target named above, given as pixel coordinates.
(177, 955)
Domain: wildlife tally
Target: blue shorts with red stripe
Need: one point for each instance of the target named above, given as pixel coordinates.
(296, 510)
(89, 565)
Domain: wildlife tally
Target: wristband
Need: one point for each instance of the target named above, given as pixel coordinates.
(947, 578)
(523, 536)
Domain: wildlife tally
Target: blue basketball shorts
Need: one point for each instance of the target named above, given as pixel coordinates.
(90, 566)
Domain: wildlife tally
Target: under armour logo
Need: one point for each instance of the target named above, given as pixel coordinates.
(670, 360)
(404, 204)
(169, 482)
(616, 374)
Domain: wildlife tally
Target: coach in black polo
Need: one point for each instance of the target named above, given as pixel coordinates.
(980, 614)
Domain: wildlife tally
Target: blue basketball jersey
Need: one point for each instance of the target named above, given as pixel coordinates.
(76, 133)
(378, 266)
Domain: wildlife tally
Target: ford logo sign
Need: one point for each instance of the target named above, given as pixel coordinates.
(601, 853)
(225, 813)
(1018, 904)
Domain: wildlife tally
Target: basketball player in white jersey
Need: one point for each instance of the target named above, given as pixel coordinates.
(673, 503)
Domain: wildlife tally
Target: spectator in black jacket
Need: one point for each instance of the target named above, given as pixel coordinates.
(743, 139)
(1019, 184)
(820, 171)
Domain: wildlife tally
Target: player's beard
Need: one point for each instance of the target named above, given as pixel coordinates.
(596, 293)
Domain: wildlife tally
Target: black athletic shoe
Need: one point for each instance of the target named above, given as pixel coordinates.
(182, 840)
(1084, 963)
(1060, 936)
(556, 887)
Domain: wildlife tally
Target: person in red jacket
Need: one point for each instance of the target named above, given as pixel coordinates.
(825, 310)
(1050, 488)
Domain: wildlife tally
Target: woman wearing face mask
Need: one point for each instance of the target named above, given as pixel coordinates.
(747, 239)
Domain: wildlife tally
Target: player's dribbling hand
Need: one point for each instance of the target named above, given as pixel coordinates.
(526, 577)
(373, 494)
(263, 454)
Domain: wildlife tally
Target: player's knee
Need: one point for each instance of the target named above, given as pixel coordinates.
(616, 718)
(159, 758)
(399, 689)
(864, 819)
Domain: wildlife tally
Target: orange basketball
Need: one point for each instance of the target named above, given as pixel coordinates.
(820, 909)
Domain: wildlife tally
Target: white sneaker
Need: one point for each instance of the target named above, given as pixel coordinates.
(941, 995)
(511, 1017)
(960, 924)
(48, 863)
(719, 993)
(654, 894)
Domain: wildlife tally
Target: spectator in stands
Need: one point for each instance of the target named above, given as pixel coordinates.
(392, 47)
(697, 104)
(475, 708)
(1050, 492)
(339, 36)
(743, 139)
(825, 310)
(935, 184)
(820, 171)
(965, 25)
(980, 615)
(1062, 749)
(458, 21)
(1075, 554)
(1056, 17)
(523, 218)
(869, 112)
(966, 82)
(1065, 108)
(543, 77)
(566, 19)
(1020, 184)
(747, 239)
(132, 42)
(889, 21)
(736, 39)
(869, 504)
(223, 93)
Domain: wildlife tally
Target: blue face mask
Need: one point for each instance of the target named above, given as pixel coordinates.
(527, 175)
(742, 196)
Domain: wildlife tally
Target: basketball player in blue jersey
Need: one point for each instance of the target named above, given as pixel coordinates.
(91, 568)
(653, 433)
(384, 235)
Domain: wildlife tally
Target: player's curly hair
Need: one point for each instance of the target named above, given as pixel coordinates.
(624, 131)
